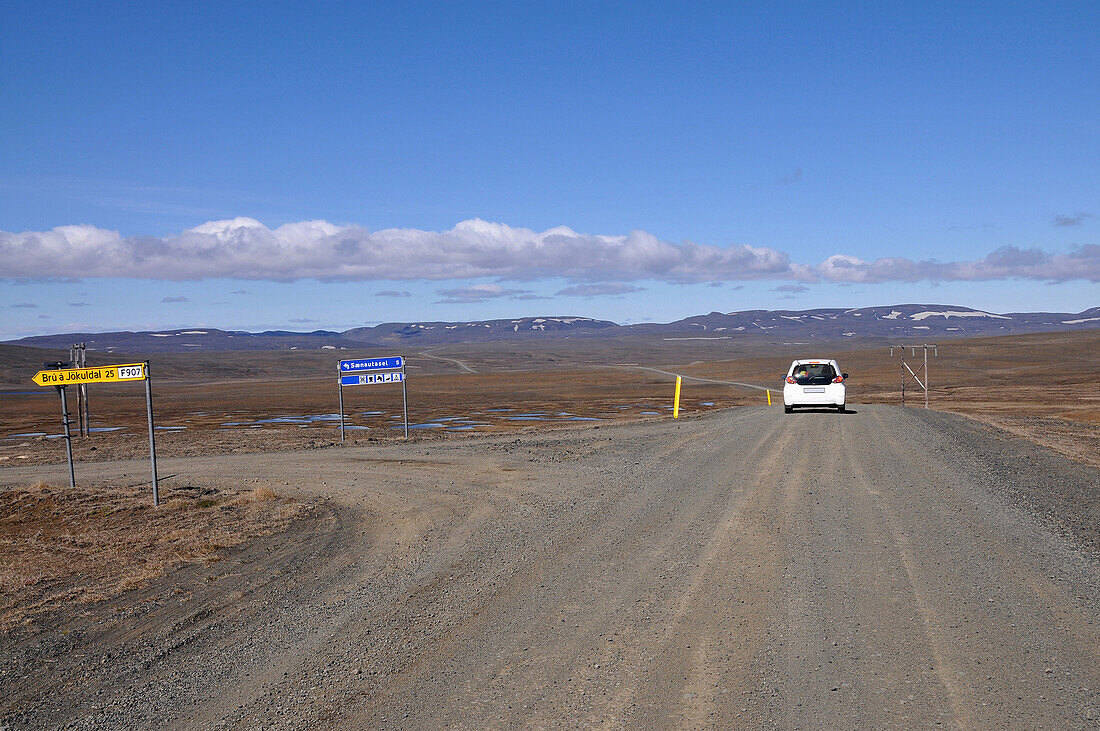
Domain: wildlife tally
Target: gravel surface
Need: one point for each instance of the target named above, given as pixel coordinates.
(883, 568)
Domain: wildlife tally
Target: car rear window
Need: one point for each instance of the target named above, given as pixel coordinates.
(813, 374)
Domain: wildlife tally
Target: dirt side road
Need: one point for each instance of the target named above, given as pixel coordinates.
(879, 569)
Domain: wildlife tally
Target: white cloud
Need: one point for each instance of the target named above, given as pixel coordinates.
(1007, 262)
(243, 248)
(477, 293)
(600, 289)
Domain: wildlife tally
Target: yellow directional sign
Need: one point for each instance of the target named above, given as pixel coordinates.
(102, 374)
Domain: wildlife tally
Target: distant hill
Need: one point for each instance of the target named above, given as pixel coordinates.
(524, 328)
(894, 321)
(206, 339)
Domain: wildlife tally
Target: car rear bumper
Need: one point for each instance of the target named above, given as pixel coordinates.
(830, 395)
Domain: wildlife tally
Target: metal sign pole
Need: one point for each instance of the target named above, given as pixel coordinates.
(86, 415)
(152, 438)
(68, 435)
(74, 362)
(927, 380)
(341, 385)
(404, 399)
(903, 378)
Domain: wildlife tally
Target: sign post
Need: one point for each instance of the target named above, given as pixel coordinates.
(404, 400)
(341, 409)
(62, 378)
(78, 358)
(68, 435)
(371, 371)
(152, 432)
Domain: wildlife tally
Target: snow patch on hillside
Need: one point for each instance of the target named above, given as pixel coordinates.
(955, 313)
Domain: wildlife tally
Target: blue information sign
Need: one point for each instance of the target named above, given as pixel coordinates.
(365, 379)
(390, 363)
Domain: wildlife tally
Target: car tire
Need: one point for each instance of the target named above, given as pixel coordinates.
(840, 408)
(788, 409)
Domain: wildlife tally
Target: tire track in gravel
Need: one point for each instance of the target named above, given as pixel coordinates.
(972, 564)
(613, 534)
(902, 552)
(695, 658)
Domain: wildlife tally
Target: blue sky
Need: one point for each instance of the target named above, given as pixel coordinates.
(629, 161)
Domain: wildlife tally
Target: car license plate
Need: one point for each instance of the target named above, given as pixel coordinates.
(813, 390)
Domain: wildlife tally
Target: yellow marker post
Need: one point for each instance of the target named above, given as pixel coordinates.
(676, 401)
(769, 397)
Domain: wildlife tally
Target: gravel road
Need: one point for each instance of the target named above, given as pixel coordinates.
(883, 568)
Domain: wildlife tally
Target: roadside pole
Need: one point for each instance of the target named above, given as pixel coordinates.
(676, 400)
(152, 432)
(341, 386)
(68, 435)
(927, 380)
(404, 399)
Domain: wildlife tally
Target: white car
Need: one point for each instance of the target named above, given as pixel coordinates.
(814, 382)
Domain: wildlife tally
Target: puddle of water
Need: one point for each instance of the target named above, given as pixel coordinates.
(353, 426)
(583, 418)
(651, 413)
(170, 428)
(30, 434)
(707, 403)
(527, 418)
(430, 425)
(494, 410)
(106, 428)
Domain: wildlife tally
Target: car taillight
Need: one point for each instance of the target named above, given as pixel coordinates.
(838, 379)
(790, 379)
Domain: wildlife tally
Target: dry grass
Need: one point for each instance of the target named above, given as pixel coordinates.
(60, 546)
